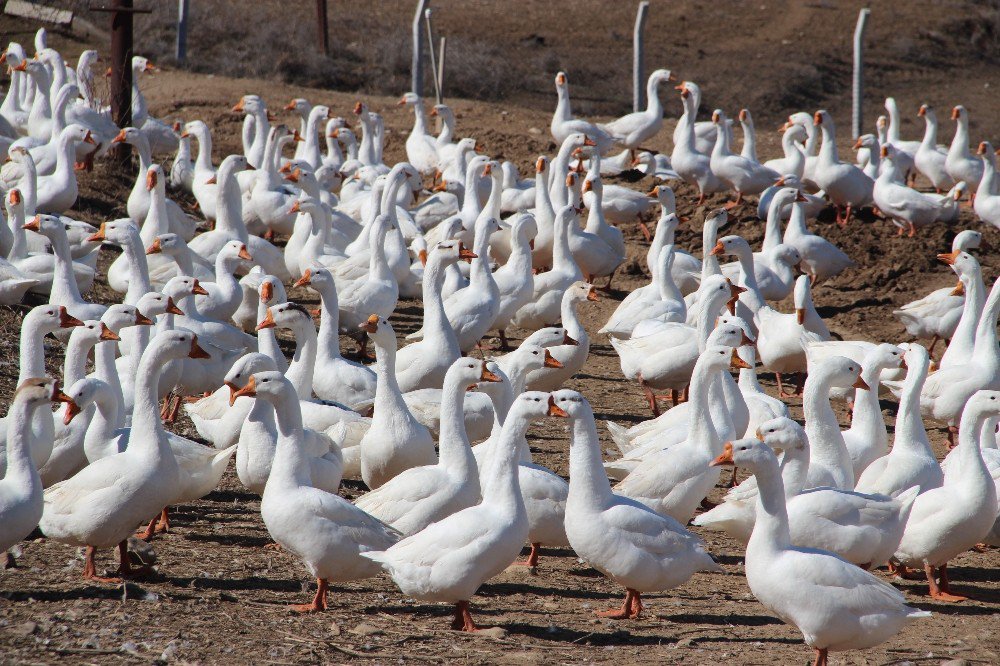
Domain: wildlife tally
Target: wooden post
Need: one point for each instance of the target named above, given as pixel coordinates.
(183, 9)
(322, 28)
(417, 65)
(859, 63)
(434, 69)
(121, 70)
(638, 75)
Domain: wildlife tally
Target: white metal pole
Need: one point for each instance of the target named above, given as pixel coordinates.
(859, 62)
(434, 69)
(183, 8)
(638, 76)
(417, 64)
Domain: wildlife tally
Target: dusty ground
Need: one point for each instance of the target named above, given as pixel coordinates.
(216, 581)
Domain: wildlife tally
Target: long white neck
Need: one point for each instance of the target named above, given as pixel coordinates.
(146, 411)
(828, 150)
(986, 331)
(290, 468)
(65, 291)
(796, 227)
(387, 394)
(969, 474)
(302, 368)
(329, 323)
(267, 341)
(929, 141)
(204, 160)
(138, 274)
(229, 206)
(454, 450)
(700, 428)
(106, 370)
(436, 326)
(709, 262)
(770, 531)
(825, 439)
(867, 421)
(502, 489)
(21, 472)
(77, 350)
(910, 431)
(772, 229)
(588, 487)
(562, 256)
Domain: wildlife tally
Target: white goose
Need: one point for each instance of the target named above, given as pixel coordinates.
(740, 174)
(395, 441)
(987, 203)
(847, 186)
(450, 559)
(858, 610)
(930, 158)
(691, 163)
(565, 124)
(948, 520)
(632, 545)
(821, 259)
(543, 308)
(419, 496)
(911, 461)
(867, 439)
(907, 208)
(93, 508)
(634, 129)
(421, 146)
(341, 380)
(961, 164)
(328, 533)
(515, 278)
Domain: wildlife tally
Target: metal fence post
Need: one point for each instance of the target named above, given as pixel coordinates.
(444, 41)
(183, 8)
(638, 78)
(322, 28)
(434, 69)
(859, 62)
(417, 66)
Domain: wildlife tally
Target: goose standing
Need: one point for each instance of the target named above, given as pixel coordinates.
(691, 164)
(847, 186)
(634, 129)
(325, 531)
(739, 173)
(93, 508)
(858, 610)
(987, 203)
(450, 559)
(961, 164)
(564, 124)
(948, 520)
(419, 496)
(930, 158)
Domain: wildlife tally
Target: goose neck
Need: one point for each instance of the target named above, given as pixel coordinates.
(65, 290)
(588, 487)
(502, 490)
(971, 474)
(106, 370)
(21, 471)
(203, 162)
(454, 451)
(770, 532)
(303, 366)
(701, 429)
(329, 323)
(909, 424)
(436, 326)
(929, 142)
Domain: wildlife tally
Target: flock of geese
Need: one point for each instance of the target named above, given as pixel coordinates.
(485, 249)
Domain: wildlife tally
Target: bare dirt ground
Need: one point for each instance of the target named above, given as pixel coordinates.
(220, 597)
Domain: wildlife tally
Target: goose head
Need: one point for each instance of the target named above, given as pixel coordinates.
(664, 196)
(869, 141)
(117, 232)
(802, 298)
(269, 385)
(317, 278)
(838, 372)
(195, 128)
(177, 344)
(249, 104)
(784, 434)
(378, 329)
(14, 203)
(38, 391)
(730, 332)
(550, 336)
(130, 136)
(661, 76)
(180, 287)
(142, 65)
(154, 304)
(959, 113)
(927, 111)
(749, 453)
(968, 239)
(570, 404)
(524, 227)
(271, 291)
(821, 118)
(717, 290)
(91, 332)
(236, 253)
(50, 226)
(884, 356)
(450, 252)
(581, 291)
(287, 315)
(49, 318)
(785, 195)
(169, 243)
(983, 404)
(732, 245)
(409, 98)
(530, 356)
(121, 315)
(469, 372)
(915, 356)
(786, 255)
(243, 368)
(81, 395)
(228, 168)
(534, 404)
(562, 83)
(299, 105)
(722, 357)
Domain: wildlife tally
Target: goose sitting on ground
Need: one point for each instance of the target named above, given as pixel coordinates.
(907, 208)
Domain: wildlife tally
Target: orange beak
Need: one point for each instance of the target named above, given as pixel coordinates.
(949, 258)
(142, 320)
(121, 137)
(567, 340)
(198, 289)
(99, 237)
(592, 294)
(304, 280)
(556, 411)
(817, 118)
(290, 106)
(244, 254)
(540, 165)
(107, 333)
(150, 180)
(718, 250)
(800, 316)
(89, 138)
(465, 253)
(196, 350)
(488, 376)
(735, 362)
(66, 320)
(551, 361)
(955, 113)
(861, 384)
(959, 289)
(268, 321)
(250, 390)
(239, 106)
(422, 256)
(725, 458)
(371, 325)
(172, 307)
(211, 180)
(72, 409)
(154, 248)
(266, 292)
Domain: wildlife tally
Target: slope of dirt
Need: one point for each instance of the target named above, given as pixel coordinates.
(220, 597)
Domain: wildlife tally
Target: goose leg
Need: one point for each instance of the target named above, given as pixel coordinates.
(645, 233)
(607, 288)
(934, 342)
(913, 230)
(504, 344)
(781, 387)
(945, 585)
(90, 569)
(622, 613)
(125, 569)
(732, 481)
(821, 658)
(940, 591)
(8, 561)
(902, 571)
(319, 601)
(532, 560)
(463, 619)
(952, 432)
(673, 397)
(650, 396)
